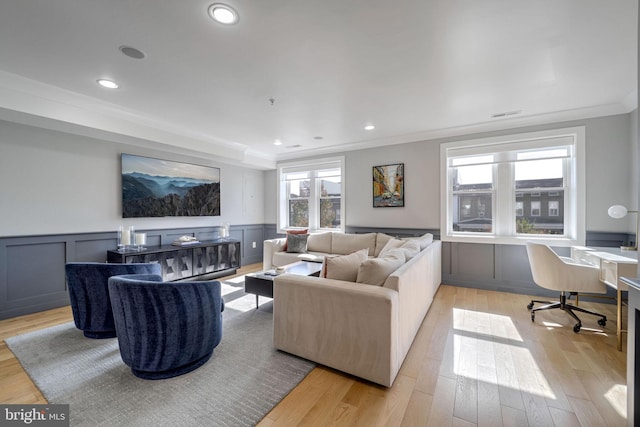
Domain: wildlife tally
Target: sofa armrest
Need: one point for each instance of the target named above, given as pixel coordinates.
(348, 326)
(268, 248)
(416, 282)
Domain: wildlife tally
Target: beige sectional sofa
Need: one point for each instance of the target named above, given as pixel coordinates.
(358, 328)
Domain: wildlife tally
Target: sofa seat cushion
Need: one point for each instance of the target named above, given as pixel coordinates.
(344, 267)
(284, 258)
(344, 244)
(375, 271)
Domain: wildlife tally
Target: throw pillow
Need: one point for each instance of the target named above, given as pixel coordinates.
(375, 271)
(344, 267)
(381, 241)
(304, 231)
(391, 244)
(410, 248)
(297, 243)
(424, 240)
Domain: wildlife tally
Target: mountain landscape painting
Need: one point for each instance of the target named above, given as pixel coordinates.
(158, 188)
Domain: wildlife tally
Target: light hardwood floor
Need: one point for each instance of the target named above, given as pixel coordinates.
(477, 360)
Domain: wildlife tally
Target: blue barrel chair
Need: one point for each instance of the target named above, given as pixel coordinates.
(165, 329)
(89, 295)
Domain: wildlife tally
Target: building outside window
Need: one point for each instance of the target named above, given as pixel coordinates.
(514, 188)
(311, 195)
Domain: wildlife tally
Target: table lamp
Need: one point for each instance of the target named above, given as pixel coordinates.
(618, 212)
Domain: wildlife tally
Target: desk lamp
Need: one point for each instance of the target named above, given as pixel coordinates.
(618, 212)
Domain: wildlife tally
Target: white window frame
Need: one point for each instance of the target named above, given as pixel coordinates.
(312, 166)
(555, 210)
(505, 200)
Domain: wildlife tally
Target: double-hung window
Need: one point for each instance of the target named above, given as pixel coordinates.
(311, 195)
(515, 188)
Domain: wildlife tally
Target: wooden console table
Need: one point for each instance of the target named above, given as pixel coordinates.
(215, 258)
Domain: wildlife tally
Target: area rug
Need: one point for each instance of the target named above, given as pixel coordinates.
(245, 378)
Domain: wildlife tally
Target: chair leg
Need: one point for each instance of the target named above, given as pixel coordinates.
(569, 308)
(530, 305)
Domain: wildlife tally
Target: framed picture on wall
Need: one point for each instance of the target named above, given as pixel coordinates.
(388, 186)
(159, 188)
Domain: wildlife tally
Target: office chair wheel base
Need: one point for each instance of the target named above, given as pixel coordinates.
(602, 322)
(577, 327)
(530, 305)
(533, 317)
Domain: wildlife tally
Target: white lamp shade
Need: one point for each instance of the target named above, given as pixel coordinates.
(617, 211)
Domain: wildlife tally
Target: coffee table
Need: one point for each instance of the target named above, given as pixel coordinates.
(261, 283)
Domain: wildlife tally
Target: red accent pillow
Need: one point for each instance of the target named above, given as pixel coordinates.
(305, 231)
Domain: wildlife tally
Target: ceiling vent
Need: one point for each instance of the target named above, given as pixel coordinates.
(132, 52)
(505, 114)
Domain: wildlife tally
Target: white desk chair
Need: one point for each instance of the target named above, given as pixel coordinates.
(562, 274)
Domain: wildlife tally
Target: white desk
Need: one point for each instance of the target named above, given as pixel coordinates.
(613, 263)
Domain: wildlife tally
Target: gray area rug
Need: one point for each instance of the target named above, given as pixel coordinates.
(244, 379)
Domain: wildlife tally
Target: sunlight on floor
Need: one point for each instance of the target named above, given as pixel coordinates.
(493, 342)
(234, 296)
(552, 325)
(616, 396)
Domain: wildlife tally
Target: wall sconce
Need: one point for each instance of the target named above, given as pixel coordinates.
(618, 212)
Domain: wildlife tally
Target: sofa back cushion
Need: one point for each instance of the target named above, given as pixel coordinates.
(343, 244)
(343, 267)
(374, 271)
(320, 242)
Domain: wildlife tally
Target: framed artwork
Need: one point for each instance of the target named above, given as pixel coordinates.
(388, 186)
(159, 188)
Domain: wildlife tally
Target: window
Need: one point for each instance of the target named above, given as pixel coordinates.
(515, 188)
(311, 195)
(535, 208)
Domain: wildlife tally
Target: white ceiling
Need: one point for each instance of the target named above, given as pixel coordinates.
(416, 69)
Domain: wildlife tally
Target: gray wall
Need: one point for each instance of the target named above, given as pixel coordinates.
(611, 177)
(53, 182)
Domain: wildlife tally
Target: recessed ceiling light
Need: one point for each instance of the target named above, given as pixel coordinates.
(108, 84)
(369, 127)
(223, 14)
(277, 142)
(318, 138)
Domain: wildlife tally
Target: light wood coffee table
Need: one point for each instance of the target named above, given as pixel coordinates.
(261, 283)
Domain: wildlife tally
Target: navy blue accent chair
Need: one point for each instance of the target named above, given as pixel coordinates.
(89, 295)
(165, 329)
